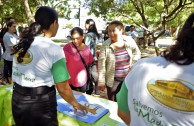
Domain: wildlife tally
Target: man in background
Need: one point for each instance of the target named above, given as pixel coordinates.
(132, 32)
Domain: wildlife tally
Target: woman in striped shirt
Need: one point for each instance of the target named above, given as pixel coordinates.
(115, 58)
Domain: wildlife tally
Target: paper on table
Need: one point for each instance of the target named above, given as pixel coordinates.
(10, 88)
(95, 111)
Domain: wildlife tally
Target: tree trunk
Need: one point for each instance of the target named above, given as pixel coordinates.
(28, 12)
(145, 40)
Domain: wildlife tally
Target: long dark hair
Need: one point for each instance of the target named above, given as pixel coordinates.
(184, 47)
(92, 27)
(44, 17)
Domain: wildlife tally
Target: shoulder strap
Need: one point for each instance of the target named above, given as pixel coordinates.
(83, 61)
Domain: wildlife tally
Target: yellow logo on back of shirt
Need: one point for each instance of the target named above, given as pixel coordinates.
(26, 59)
(176, 94)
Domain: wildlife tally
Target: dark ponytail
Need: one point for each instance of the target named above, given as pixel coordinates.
(28, 37)
(44, 17)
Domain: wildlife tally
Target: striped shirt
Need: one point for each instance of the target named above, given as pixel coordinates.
(122, 62)
(106, 60)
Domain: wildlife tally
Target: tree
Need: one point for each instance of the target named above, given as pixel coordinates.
(28, 11)
(17, 10)
(62, 6)
(23, 10)
(152, 15)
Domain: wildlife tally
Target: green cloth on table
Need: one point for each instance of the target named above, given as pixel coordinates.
(6, 118)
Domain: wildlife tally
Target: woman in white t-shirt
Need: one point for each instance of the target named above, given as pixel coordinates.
(9, 40)
(159, 90)
(39, 65)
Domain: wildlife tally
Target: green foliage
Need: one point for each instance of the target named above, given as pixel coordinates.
(62, 7)
(69, 26)
(15, 9)
(133, 11)
(153, 15)
(100, 7)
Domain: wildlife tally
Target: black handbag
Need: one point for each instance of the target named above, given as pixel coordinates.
(89, 86)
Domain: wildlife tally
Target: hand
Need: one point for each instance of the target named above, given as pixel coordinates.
(80, 107)
(101, 87)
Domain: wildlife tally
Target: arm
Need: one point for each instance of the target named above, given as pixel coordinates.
(136, 51)
(91, 58)
(102, 66)
(12, 49)
(61, 77)
(130, 42)
(67, 94)
(136, 34)
(125, 116)
(87, 40)
(122, 101)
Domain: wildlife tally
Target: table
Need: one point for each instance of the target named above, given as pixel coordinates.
(110, 119)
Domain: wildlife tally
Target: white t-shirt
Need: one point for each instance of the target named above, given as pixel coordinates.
(43, 65)
(160, 93)
(133, 34)
(9, 40)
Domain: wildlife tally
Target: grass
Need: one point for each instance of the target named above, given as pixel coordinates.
(60, 40)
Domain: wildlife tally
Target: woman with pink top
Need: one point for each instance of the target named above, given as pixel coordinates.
(75, 66)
